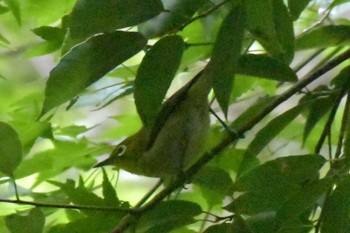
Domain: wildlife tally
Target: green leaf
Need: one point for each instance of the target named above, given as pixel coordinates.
(168, 215)
(304, 199)
(183, 230)
(296, 7)
(46, 12)
(342, 80)
(270, 185)
(335, 212)
(72, 130)
(321, 104)
(296, 170)
(50, 33)
(263, 222)
(96, 222)
(80, 195)
(43, 48)
(266, 134)
(261, 23)
(53, 37)
(14, 7)
(4, 40)
(109, 194)
(88, 62)
(284, 29)
(215, 184)
(324, 37)
(32, 222)
(337, 2)
(220, 228)
(180, 11)
(154, 76)
(3, 9)
(346, 149)
(54, 161)
(226, 52)
(30, 130)
(253, 110)
(10, 149)
(91, 16)
(230, 159)
(265, 67)
(294, 225)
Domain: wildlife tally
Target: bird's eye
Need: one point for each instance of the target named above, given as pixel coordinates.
(121, 150)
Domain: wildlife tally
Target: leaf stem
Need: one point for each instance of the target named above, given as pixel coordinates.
(344, 126)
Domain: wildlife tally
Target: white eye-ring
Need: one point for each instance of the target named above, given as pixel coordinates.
(121, 150)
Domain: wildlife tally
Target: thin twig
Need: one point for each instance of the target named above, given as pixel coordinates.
(205, 14)
(307, 60)
(67, 206)
(149, 193)
(16, 188)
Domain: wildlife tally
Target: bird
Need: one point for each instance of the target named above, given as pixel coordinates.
(175, 140)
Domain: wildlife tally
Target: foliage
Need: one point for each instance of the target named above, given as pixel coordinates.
(279, 163)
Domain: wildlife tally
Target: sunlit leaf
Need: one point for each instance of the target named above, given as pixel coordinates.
(14, 7)
(3, 39)
(154, 76)
(123, 91)
(73, 130)
(30, 130)
(10, 149)
(3, 9)
(226, 52)
(88, 62)
(46, 12)
(54, 161)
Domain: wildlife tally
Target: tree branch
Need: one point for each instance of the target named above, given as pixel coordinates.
(178, 182)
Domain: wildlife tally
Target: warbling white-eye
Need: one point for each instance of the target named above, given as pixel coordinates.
(176, 139)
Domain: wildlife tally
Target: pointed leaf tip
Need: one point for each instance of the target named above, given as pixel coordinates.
(88, 62)
(10, 149)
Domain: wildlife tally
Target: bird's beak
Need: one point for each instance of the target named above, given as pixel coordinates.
(103, 163)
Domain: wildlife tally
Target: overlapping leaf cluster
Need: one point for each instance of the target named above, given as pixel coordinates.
(288, 174)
